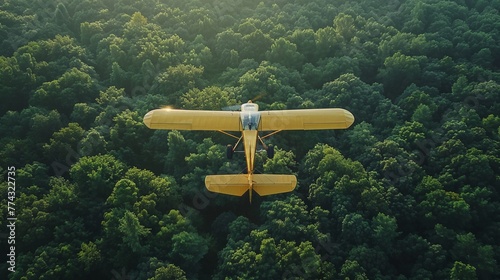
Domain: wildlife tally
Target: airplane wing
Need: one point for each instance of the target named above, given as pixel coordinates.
(305, 119)
(192, 120)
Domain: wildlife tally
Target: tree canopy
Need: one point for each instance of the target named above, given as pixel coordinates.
(410, 191)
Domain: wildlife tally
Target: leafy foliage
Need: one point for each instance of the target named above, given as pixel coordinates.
(409, 192)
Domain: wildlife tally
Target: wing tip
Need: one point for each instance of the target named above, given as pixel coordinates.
(349, 118)
(147, 119)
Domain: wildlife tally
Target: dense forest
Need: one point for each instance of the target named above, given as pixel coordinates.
(410, 191)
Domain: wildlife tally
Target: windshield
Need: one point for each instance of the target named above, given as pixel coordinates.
(250, 120)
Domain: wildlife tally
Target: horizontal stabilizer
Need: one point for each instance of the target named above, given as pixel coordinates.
(263, 184)
(266, 184)
(228, 184)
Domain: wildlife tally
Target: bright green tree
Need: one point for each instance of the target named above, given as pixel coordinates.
(210, 98)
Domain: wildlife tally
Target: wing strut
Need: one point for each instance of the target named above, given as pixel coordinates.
(228, 134)
(270, 134)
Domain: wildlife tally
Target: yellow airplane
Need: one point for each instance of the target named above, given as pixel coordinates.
(249, 121)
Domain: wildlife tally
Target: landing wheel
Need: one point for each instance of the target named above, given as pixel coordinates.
(229, 151)
(270, 151)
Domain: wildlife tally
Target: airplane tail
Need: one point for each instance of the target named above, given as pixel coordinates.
(239, 184)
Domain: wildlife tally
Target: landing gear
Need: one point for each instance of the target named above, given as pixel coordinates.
(229, 151)
(230, 148)
(270, 151)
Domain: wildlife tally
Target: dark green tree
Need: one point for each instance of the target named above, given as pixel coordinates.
(96, 176)
(72, 87)
(64, 142)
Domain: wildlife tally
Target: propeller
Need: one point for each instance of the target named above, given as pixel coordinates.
(232, 108)
(238, 107)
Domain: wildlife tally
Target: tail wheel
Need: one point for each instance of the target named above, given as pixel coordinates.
(270, 151)
(229, 151)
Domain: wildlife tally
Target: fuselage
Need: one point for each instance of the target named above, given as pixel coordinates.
(250, 118)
